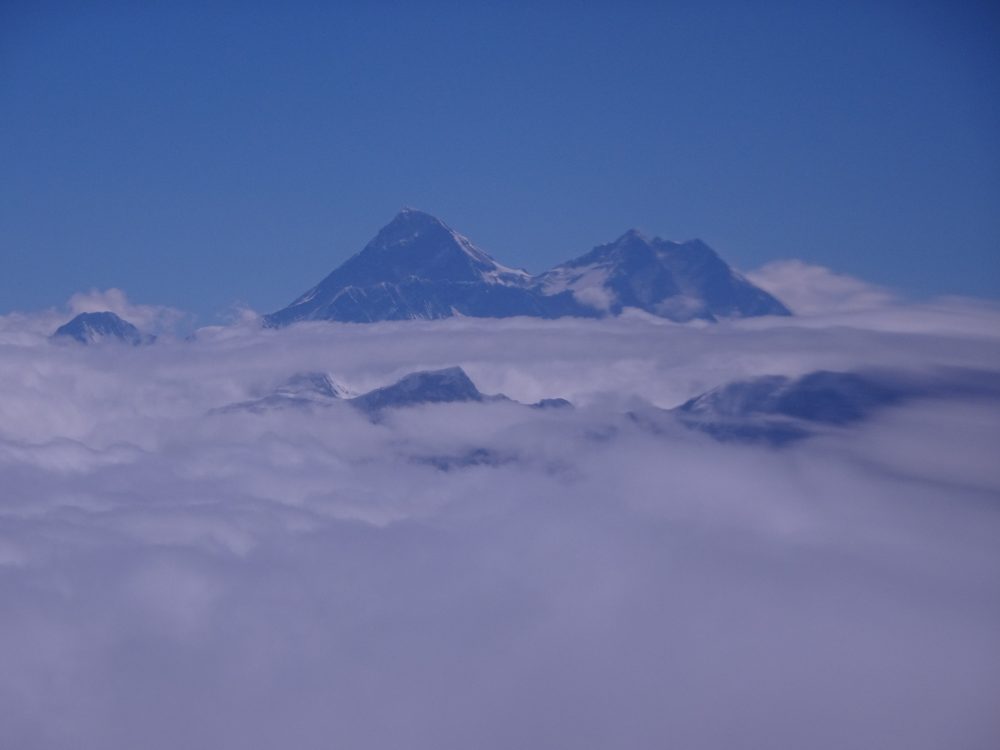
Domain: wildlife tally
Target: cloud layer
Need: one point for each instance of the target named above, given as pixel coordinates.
(172, 576)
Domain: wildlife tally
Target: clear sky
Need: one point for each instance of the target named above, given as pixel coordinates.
(200, 157)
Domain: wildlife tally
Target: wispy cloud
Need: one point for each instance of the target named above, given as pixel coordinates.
(810, 289)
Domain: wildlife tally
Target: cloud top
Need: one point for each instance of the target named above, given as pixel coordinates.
(811, 289)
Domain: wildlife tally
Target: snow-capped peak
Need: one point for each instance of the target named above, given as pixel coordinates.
(95, 327)
(411, 225)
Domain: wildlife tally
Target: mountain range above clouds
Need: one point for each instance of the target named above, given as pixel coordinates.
(417, 267)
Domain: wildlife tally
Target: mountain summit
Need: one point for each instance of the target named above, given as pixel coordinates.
(417, 267)
(676, 280)
(96, 327)
(449, 385)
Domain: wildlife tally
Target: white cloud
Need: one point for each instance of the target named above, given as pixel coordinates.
(809, 289)
(171, 578)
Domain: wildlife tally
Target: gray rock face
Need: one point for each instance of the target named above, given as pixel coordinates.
(96, 327)
(419, 268)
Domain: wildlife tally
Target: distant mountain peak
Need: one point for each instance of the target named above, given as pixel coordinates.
(95, 327)
(447, 385)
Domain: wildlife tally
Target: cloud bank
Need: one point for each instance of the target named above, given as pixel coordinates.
(176, 576)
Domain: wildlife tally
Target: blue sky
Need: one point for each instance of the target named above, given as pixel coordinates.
(201, 157)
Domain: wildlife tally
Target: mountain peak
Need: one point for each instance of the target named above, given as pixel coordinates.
(418, 245)
(409, 218)
(415, 267)
(448, 385)
(412, 211)
(633, 235)
(93, 327)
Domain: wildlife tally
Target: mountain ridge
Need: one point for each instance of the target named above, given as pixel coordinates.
(417, 267)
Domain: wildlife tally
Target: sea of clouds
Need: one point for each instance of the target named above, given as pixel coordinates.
(173, 576)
